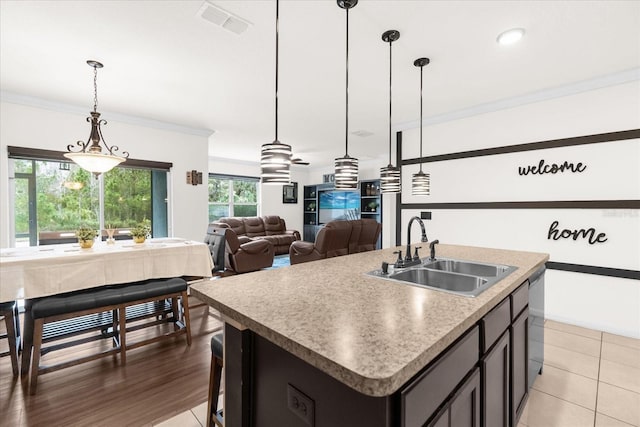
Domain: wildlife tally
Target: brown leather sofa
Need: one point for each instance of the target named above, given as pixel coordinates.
(338, 238)
(271, 228)
(228, 252)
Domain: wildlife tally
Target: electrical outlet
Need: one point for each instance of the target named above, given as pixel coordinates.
(425, 215)
(300, 404)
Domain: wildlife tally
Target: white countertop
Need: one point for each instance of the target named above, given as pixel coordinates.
(371, 334)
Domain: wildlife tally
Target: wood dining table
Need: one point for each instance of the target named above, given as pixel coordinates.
(34, 272)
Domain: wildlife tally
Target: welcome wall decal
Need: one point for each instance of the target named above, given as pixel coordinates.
(552, 168)
(589, 234)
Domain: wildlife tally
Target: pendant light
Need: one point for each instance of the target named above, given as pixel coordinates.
(275, 159)
(346, 168)
(420, 185)
(91, 157)
(390, 181)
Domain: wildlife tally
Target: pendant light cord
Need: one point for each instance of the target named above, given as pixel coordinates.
(95, 89)
(390, 43)
(346, 132)
(277, 31)
(421, 73)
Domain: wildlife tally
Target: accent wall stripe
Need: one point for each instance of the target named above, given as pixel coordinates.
(591, 269)
(554, 143)
(561, 204)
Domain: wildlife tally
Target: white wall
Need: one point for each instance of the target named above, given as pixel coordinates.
(270, 195)
(28, 126)
(613, 173)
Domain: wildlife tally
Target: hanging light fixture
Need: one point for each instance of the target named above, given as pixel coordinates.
(420, 185)
(346, 168)
(275, 161)
(91, 157)
(390, 175)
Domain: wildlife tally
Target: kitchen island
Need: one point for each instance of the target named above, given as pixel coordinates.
(323, 344)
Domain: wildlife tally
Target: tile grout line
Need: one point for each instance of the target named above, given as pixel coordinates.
(595, 414)
(567, 401)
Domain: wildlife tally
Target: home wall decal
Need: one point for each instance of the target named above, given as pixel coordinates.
(552, 168)
(589, 234)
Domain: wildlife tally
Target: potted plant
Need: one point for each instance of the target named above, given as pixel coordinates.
(373, 206)
(140, 232)
(85, 236)
(312, 206)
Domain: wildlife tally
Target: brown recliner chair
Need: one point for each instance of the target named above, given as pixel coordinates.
(332, 240)
(368, 237)
(238, 257)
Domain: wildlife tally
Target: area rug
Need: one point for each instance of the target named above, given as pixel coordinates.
(280, 261)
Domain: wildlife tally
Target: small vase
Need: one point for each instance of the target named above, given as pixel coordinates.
(139, 239)
(85, 244)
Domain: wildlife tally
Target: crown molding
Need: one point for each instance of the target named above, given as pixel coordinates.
(32, 101)
(613, 79)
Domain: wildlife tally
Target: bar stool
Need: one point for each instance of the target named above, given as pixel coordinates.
(9, 310)
(214, 416)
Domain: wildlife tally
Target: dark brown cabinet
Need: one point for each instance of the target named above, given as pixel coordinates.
(463, 409)
(496, 367)
(421, 398)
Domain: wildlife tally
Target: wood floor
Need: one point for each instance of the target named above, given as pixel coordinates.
(159, 381)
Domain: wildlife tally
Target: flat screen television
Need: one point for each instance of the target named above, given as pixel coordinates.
(338, 205)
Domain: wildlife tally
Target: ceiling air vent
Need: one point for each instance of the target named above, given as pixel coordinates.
(220, 17)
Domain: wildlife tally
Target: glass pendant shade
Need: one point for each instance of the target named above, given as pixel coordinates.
(390, 181)
(275, 163)
(346, 173)
(95, 163)
(420, 184)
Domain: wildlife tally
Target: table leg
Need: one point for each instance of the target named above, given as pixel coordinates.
(27, 339)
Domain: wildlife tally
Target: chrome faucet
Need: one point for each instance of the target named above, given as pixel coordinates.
(408, 259)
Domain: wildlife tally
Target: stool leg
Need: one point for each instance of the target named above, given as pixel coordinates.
(11, 321)
(38, 324)
(215, 376)
(122, 328)
(185, 312)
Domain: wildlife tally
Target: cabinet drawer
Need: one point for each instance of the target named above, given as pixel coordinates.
(494, 323)
(519, 299)
(420, 399)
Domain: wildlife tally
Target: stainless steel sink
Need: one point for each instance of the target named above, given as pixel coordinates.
(441, 280)
(460, 277)
(466, 267)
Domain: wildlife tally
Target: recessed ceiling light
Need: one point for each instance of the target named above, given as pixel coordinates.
(510, 36)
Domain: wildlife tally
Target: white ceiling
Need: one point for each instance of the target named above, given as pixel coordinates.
(163, 62)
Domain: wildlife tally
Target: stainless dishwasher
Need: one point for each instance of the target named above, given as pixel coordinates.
(536, 324)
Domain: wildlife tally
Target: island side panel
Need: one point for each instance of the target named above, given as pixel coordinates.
(237, 377)
(285, 388)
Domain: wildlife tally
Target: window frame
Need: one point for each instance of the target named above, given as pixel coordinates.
(35, 154)
(232, 203)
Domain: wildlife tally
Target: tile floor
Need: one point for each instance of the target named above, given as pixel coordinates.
(590, 379)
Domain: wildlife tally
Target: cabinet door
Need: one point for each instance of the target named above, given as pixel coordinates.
(519, 364)
(465, 405)
(495, 384)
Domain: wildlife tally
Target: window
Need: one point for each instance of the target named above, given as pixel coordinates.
(53, 196)
(232, 196)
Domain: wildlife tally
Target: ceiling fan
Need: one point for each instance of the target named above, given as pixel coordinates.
(298, 161)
